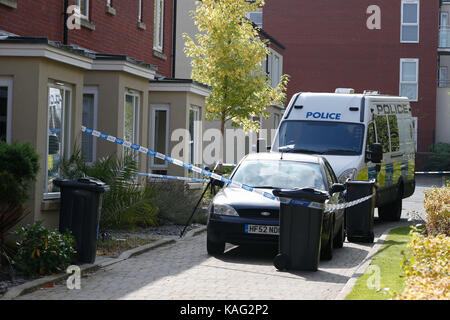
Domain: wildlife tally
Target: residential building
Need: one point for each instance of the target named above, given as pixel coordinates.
(443, 83)
(111, 72)
(386, 45)
(243, 144)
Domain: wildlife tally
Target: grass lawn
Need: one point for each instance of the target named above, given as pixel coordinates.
(389, 259)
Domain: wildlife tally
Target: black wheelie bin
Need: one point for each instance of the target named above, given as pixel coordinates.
(301, 216)
(359, 218)
(81, 203)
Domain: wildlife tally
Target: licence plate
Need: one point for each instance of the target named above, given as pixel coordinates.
(262, 229)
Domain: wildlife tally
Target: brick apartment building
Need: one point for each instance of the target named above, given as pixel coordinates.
(112, 74)
(328, 46)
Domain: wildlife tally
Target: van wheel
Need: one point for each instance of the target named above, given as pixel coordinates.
(392, 211)
(214, 248)
(327, 252)
(340, 237)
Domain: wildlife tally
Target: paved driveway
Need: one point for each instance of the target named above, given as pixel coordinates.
(184, 271)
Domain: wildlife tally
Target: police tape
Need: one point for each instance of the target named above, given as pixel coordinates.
(165, 177)
(302, 203)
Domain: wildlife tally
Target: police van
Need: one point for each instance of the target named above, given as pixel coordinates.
(363, 136)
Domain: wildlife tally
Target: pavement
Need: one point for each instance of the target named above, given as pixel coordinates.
(183, 270)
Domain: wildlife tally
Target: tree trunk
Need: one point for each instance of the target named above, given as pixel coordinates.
(222, 132)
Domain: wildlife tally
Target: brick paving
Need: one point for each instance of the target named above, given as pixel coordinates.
(183, 270)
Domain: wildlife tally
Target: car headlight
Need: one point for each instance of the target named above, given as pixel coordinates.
(224, 210)
(347, 174)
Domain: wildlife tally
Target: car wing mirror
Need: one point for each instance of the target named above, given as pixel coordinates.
(337, 187)
(218, 183)
(376, 153)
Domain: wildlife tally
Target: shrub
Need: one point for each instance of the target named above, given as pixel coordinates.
(176, 202)
(437, 207)
(440, 159)
(18, 167)
(42, 251)
(428, 270)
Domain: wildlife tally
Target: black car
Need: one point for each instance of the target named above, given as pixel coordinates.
(238, 216)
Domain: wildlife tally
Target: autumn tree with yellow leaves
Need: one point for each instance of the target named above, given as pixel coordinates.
(228, 55)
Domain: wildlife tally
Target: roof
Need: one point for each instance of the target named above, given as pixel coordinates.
(353, 95)
(75, 49)
(179, 80)
(286, 156)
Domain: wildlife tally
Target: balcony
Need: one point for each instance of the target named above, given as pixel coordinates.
(444, 38)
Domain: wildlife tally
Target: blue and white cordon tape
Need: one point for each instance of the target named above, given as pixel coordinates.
(303, 203)
(165, 177)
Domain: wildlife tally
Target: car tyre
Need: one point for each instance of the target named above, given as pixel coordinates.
(215, 248)
(327, 253)
(392, 211)
(340, 237)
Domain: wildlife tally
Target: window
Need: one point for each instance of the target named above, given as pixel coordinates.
(409, 74)
(443, 72)
(194, 132)
(160, 126)
(131, 122)
(256, 17)
(5, 109)
(382, 132)
(393, 133)
(140, 10)
(371, 138)
(58, 137)
(276, 120)
(444, 19)
(90, 107)
(84, 8)
(275, 67)
(159, 26)
(410, 21)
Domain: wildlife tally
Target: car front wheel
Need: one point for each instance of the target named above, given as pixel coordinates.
(214, 248)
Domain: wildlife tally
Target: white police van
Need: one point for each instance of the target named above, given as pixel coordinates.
(363, 136)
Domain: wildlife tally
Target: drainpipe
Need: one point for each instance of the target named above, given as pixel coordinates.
(174, 34)
(66, 16)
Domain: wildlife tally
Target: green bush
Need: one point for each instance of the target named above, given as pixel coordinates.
(437, 207)
(440, 159)
(18, 167)
(42, 252)
(176, 202)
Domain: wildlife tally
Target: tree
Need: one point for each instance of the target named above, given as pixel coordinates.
(228, 56)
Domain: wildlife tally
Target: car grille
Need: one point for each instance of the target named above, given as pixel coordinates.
(256, 213)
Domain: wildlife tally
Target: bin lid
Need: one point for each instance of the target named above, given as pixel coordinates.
(85, 183)
(309, 194)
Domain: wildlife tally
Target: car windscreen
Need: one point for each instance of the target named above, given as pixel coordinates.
(322, 137)
(279, 174)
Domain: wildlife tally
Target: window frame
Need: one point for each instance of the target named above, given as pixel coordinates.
(271, 58)
(136, 114)
(66, 111)
(406, 24)
(416, 61)
(84, 16)
(158, 34)
(9, 84)
(94, 91)
(140, 7)
(196, 140)
(154, 108)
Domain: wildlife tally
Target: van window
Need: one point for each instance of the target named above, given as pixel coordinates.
(382, 132)
(371, 138)
(393, 129)
(322, 137)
